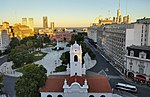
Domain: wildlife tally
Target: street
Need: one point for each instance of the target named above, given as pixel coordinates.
(8, 81)
(113, 75)
(9, 85)
(3, 59)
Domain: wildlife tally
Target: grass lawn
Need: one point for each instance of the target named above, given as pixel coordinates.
(60, 68)
(36, 57)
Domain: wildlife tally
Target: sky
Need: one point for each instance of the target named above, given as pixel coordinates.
(70, 13)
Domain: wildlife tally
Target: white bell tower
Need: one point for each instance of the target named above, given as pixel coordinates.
(76, 67)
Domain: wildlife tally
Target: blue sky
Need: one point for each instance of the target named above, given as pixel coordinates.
(70, 12)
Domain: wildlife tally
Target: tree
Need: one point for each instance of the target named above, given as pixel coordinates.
(20, 56)
(14, 42)
(24, 40)
(30, 45)
(34, 77)
(65, 57)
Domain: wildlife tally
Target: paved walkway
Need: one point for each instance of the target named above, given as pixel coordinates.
(6, 69)
(51, 60)
(88, 62)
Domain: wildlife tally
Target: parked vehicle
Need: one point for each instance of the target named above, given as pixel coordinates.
(126, 87)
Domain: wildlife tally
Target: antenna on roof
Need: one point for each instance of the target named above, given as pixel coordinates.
(126, 6)
(119, 4)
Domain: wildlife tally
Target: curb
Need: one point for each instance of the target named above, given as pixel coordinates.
(2, 56)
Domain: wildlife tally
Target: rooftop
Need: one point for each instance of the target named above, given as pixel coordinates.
(96, 83)
(147, 48)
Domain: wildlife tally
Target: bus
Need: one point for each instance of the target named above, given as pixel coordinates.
(126, 87)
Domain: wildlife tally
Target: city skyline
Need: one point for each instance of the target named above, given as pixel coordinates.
(74, 13)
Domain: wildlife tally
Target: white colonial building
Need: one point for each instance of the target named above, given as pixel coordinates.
(75, 67)
(76, 83)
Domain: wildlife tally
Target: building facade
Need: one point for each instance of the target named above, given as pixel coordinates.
(114, 43)
(115, 38)
(62, 36)
(92, 33)
(45, 22)
(31, 24)
(4, 36)
(4, 39)
(22, 31)
(52, 26)
(24, 21)
(138, 63)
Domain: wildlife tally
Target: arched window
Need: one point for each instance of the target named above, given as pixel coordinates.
(91, 96)
(49, 95)
(75, 58)
(131, 53)
(102, 96)
(59, 96)
(141, 70)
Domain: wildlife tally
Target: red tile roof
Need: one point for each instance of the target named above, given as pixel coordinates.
(96, 83)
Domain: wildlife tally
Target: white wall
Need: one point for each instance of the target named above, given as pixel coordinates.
(53, 94)
(99, 94)
(92, 34)
(136, 62)
(148, 44)
(129, 37)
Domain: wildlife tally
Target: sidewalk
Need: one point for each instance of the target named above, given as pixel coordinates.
(2, 56)
(6, 69)
(51, 60)
(88, 62)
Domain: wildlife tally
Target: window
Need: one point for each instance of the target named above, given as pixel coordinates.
(75, 73)
(102, 96)
(141, 71)
(91, 96)
(141, 35)
(131, 53)
(130, 67)
(75, 58)
(49, 96)
(142, 55)
(59, 96)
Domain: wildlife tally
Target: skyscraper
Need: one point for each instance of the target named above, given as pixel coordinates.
(31, 23)
(118, 20)
(45, 22)
(24, 21)
(52, 26)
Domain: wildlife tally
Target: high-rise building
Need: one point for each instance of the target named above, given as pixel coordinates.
(119, 20)
(45, 22)
(31, 23)
(126, 19)
(24, 21)
(4, 39)
(52, 26)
